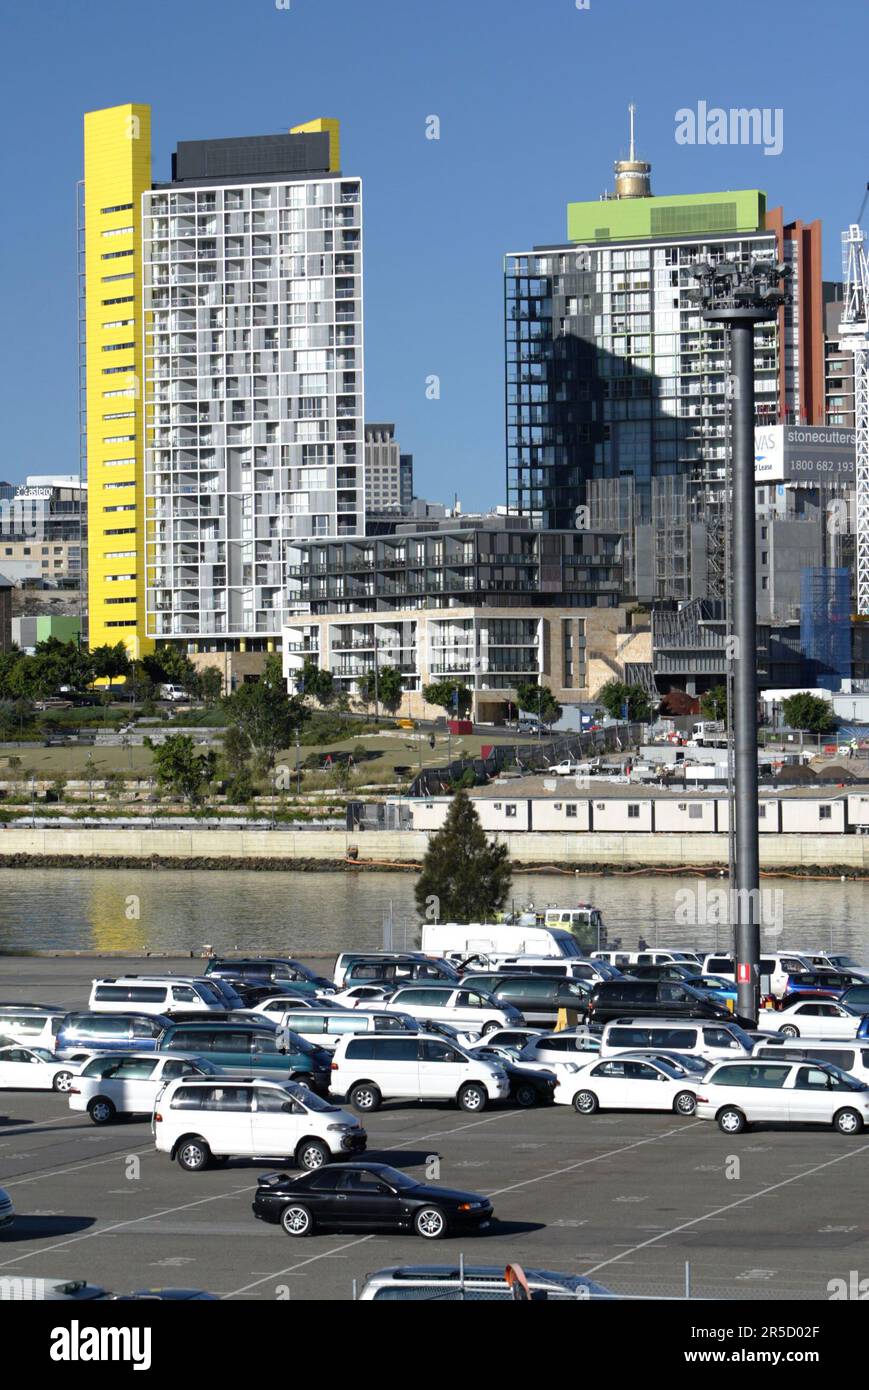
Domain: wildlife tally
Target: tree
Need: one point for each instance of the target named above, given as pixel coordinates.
(265, 713)
(181, 770)
(713, 705)
(387, 689)
(809, 712)
(538, 699)
(236, 750)
(169, 666)
(464, 878)
(209, 684)
(443, 693)
(615, 695)
(108, 663)
(316, 684)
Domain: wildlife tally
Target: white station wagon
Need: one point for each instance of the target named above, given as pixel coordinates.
(738, 1094)
(810, 1018)
(25, 1068)
(468, 1009)
(128, 1083)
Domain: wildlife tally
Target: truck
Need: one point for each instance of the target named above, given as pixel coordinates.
(709, 733)
(494, 941)
(173, 693)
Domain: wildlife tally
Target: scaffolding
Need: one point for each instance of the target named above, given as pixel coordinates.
(825, 625)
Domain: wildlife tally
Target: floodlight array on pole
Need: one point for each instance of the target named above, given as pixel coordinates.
(739, 295)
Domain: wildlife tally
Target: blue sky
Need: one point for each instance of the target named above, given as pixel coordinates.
(532, 102)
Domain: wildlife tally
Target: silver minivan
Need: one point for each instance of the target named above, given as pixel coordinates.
(34, 1024)
(327, 1027)
(852, 1057)
(154, 994)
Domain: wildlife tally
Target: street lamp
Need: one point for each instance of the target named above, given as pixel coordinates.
(737, 296)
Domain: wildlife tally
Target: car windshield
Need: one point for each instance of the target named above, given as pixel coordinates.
(311, 1101)
(713, 982)
(845, 1077)
(397, 1179)
(296, 1043)
(43, 1054)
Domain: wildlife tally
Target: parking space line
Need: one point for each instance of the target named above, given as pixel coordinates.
(731, 1206)
(132, 1221)
(73, 1168)
(596, 1158)
(291, 1269)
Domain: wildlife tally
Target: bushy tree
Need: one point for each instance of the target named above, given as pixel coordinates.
(108, 663)
(713, 705)
(316, 684)
(464, 878)
(236, 749)
(181, 770)
(209, 685)
(538, 699)
(387, 688)
(168, 665)
(809, 712)
(265, 712)
(443, 693)
(615, 695)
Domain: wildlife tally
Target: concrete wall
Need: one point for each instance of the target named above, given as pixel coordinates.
(631, 851)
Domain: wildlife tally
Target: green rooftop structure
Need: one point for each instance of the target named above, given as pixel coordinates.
(685, 214)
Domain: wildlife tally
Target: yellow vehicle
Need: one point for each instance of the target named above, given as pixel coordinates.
(405, 724)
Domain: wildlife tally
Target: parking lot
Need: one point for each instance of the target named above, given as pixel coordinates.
(628, 1198)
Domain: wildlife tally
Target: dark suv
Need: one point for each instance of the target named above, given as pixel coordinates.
(375, 971)
(537, 998)
(652, 999)
(268, 970)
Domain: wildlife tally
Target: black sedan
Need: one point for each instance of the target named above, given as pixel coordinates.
(529, 1084)
(369, 1196)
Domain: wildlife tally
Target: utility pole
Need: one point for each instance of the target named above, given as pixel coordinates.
(738, 296)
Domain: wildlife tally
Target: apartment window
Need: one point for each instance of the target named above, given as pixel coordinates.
(124, 299)
(510, 810)
(127, 391)
(633, 812)
(121, 555)
(118, 439)
(127, 507)
(118, 463)
(695, 812)
(118, 347)
(121, 624)
(825, 813)
(121, 415)
(115, 255)
(119, 578)
(119, 207)
(119, 600)
(570, 810)
(112, 371)
(119, 530)
(110, 279)
(119, 323)
(117, 231)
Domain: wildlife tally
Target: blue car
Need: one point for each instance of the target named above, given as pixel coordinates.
(95, 1032)
(716, 988)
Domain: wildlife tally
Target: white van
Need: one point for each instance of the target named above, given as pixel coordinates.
(414, 1066)
(128, 1083)
(710, 1040)
(34, 1024)
(737, 1094)
(465, 1008)
(197, 1118)
(496, 940)
(327, 1027)
(625, 959)
(153, 994)
(852, 1057)
(173, 693)
(774, 966)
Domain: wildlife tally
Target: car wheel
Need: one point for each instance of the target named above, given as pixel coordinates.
(297, 1220)
(101, 1110)
(525, 1095)
(430, 1223)
(789, 1031)
(848, 1122)
(585, 1102)
(301, 1081)
(472, 1097)
(193, 1155)
(490, 1027)
(62, 1081)
(685, 1103)
(312, 1154)
(365, 1097)
(731, 1120)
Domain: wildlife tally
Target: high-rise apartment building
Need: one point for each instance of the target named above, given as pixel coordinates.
(616, 391)
(388, 472)
(838, 361)
(224, 377)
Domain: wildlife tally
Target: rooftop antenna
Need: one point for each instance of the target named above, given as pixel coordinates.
(633, 176)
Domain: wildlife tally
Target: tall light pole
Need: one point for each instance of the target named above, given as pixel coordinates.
(738, 296)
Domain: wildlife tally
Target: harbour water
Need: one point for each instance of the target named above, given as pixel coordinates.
(137, 910)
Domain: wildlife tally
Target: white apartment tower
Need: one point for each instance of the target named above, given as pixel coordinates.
(254, 405)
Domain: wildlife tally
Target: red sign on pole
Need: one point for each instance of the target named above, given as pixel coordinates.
(486, 751)
(743, 972)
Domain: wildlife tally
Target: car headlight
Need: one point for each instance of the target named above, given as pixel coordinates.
(341, 1129)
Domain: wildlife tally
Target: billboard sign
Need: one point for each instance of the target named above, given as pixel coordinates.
(808, 454)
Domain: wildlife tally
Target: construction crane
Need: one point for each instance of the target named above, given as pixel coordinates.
(854, 335)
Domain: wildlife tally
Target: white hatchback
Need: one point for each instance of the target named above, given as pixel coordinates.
(738, 1094)
(196, 1119)
(810, 1018)
(618, 1083)
(128, 1083)
(374, 1067)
